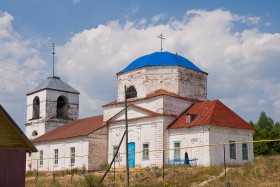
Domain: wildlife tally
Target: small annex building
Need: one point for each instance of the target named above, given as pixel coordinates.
(13, 148)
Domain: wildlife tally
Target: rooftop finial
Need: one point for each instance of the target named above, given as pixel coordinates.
(53, 52)
(161, 38)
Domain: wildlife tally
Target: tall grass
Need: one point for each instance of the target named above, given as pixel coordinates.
(264, 171)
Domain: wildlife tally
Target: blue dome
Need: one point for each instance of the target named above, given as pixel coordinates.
(161, 59)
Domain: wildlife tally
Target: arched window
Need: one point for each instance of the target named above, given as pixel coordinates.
(34, 133)
(62, 107)
(131, 92)
(36, 107)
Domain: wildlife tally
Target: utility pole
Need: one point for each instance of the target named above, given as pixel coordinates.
(126, 142)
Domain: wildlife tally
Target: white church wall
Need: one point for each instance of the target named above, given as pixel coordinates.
(134, 78)
(149, 79)
(160, 104)
(132, 113)
(188, 138)
(192, 84)
(81, 145)
(48, 120)
(111, 110)
(174, 105)
(224, 135)
(73, 107)
(30, 98)
(154, 104)
(162, 77)
(148, 130)
(179, 80)
(37, 125)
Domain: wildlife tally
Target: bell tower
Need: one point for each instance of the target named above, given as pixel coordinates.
(50, 105)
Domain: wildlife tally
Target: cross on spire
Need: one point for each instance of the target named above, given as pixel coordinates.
(161, 38)
(53, 52)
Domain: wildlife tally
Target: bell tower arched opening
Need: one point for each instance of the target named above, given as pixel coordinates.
(36, 108)
(62, 107)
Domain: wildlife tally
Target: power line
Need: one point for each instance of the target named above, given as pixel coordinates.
(26, 75)
(16, 82)
(14, 91)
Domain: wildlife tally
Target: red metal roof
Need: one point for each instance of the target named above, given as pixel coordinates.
(80, 127)
(211, 113)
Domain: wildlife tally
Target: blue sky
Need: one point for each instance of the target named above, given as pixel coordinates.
(236, 42)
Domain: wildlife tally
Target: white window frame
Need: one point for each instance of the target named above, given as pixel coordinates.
(117, 158)
(55, 156)
(244, 151)
(72, 155)
(146, 151)
(232, 150)
(41, 162)
(177, 150)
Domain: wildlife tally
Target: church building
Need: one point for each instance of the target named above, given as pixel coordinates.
(169, 119)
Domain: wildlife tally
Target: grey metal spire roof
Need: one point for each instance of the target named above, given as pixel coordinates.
(54, 83)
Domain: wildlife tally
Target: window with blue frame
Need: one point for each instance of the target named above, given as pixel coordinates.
(232, 149)
(245, 151)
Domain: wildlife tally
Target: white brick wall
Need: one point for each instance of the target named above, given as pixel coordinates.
(81, 145)
(205, 135)
(148, 130)
(48, 104)
(179, 80)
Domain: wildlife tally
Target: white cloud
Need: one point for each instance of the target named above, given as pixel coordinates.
(158, 18)
(76, 1)
(240, 62)
(18, 58)
(134, 8)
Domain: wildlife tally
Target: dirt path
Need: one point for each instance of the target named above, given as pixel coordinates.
(211, 179)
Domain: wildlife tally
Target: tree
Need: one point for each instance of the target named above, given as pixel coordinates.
(266, 129)
(265, 122)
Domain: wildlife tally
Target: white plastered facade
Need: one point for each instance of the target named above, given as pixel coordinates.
(196, 142)
(144, 128)
(81, 145)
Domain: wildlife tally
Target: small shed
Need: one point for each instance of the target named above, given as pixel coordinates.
(13, 148)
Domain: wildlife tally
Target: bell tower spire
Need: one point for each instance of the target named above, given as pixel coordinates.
(53, 52)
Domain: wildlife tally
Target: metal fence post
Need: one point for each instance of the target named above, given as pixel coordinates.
(163, 165)
(36, 180)
(225, 166)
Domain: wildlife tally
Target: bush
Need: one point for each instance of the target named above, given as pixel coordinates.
(104, 166)
(91, 180)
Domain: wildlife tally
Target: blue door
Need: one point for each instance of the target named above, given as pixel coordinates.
(131, 155)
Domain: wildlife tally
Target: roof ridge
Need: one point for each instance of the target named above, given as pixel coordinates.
(212, 111)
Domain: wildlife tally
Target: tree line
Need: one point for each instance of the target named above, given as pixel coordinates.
(266, 129)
